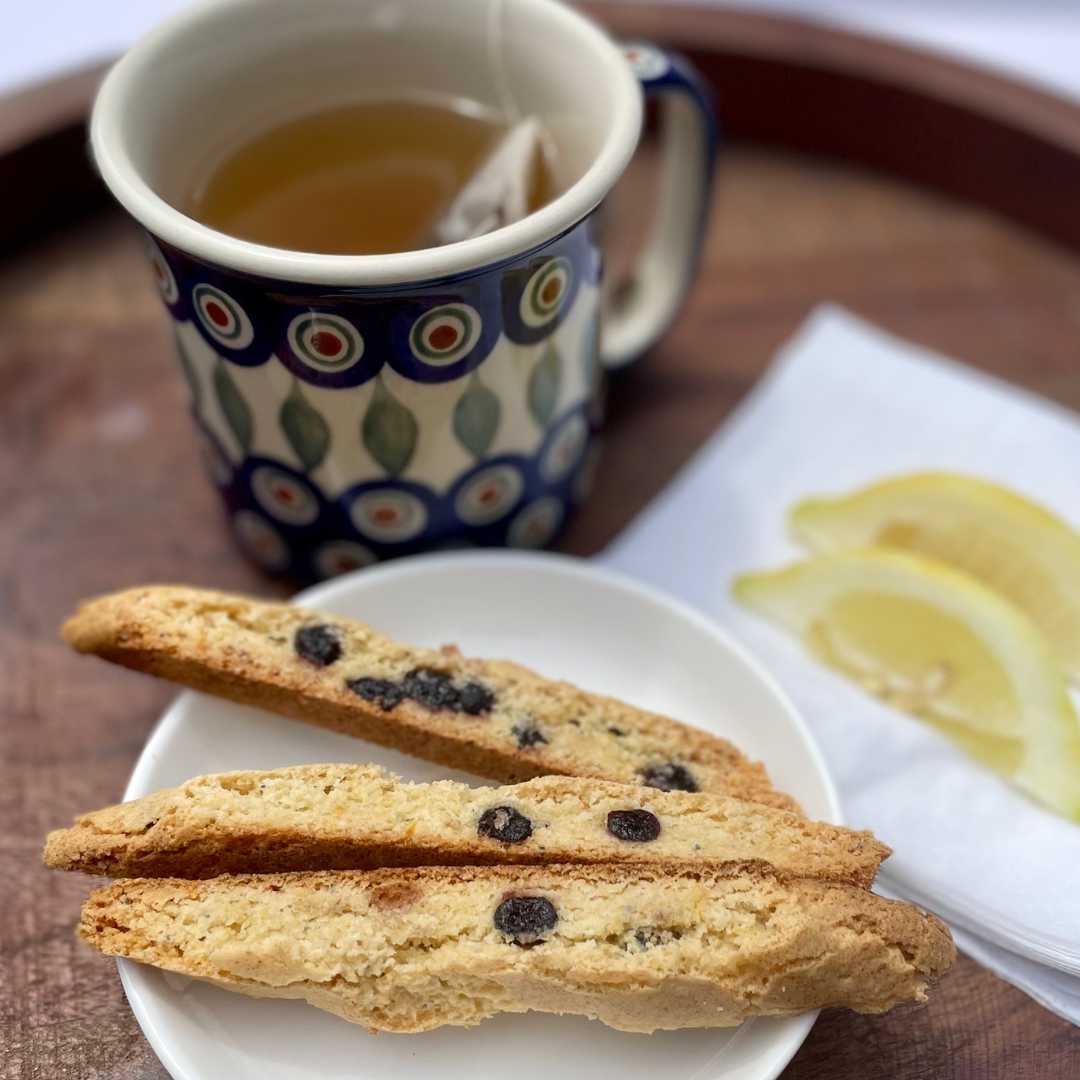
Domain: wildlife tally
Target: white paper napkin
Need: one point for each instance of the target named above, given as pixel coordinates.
(846, 404)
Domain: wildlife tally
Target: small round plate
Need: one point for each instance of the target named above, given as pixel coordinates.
(567, 619)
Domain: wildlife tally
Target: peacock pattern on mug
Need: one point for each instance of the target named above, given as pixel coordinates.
(347, 426)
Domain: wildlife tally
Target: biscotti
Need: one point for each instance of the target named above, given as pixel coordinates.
(640, 948)
(492, 718)
(354, 817)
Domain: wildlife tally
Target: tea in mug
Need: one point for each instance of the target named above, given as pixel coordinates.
(361, 179)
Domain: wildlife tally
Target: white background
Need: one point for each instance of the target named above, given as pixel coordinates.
(1038, 40)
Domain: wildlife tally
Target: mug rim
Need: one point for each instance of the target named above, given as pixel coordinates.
(161, 219)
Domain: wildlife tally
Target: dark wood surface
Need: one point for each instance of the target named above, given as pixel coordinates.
(974, 134)
(100, 488)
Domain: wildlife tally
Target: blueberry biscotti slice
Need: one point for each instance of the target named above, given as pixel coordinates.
(492, 718)
(640, 948)
(355, 817)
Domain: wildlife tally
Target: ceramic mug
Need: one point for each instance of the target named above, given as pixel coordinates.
(353, 408)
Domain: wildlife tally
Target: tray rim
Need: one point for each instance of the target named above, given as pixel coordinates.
(977, 134)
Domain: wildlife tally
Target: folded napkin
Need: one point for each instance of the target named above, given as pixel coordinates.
(845, 405)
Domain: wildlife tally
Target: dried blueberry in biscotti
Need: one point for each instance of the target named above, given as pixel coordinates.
(336, 672)
(319, 645)
(505, 824)
(382, 692)
(526, 919)
(669, 777)
(635, 826)
(528, 736)
(356, 816)
(476, 699)
(431, 689)
(640, 948)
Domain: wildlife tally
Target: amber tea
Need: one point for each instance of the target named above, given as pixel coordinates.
(360, 179)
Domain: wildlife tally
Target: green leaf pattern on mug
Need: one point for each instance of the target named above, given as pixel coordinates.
(188, 368)
(234, 408)
(304, 428)
(389, 431)
(476, 417)
(544, 386)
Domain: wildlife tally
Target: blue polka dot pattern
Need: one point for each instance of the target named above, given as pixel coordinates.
(394, 512)
(306, 493)
(279, 492)
(445, 335)
(165, 267)
(538, 293)
(483, 498)
(231, 315)
(340, 346)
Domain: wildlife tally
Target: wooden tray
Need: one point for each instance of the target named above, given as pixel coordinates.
(100, 486)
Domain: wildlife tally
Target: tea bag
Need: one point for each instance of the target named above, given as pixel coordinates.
(500, 191)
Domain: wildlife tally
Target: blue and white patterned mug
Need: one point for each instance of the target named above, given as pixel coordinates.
(354, 408)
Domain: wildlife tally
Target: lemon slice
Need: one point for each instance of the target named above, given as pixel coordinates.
(937, 643)
(1021, 550)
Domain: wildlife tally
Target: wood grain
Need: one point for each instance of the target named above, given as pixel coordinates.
(996, 142)
(974, 134)
(100, 487)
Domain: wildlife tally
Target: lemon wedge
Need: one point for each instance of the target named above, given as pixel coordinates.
(1021, 550)
(936, 643)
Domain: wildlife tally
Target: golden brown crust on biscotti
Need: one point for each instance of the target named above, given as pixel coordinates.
(493, 718)
(641, 948)
(356, 817)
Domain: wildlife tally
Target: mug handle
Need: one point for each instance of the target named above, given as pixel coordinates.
(666, 266)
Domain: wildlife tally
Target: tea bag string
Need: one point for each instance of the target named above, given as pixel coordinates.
(496, 48)
(499, 191)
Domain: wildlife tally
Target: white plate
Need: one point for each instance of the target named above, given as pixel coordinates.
(565, 618)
